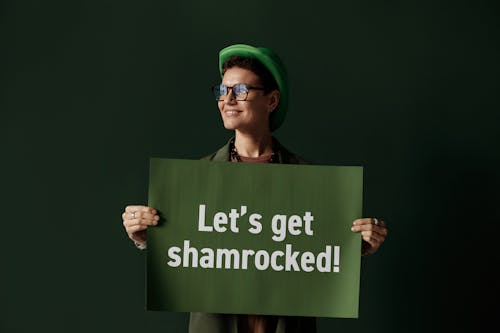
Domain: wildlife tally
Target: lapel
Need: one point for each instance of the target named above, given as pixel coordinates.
(222, 155)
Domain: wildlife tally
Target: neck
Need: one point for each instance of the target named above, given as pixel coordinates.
(253, 145)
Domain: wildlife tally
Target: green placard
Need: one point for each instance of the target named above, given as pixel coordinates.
(254, 238)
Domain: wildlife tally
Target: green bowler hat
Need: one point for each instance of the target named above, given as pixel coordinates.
(273, 63)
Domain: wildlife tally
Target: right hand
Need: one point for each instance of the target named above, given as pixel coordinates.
(136, 219)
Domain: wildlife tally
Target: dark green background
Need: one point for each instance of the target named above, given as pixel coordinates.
(91, 89)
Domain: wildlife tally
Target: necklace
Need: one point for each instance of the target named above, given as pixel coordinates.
(236, 157)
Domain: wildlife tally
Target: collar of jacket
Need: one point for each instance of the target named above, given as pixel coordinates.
(284, 156)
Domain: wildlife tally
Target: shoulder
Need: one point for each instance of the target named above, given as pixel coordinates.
(222, 154)
(287, 157)
(296, 159)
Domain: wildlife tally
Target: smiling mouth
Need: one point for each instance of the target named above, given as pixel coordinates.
(231, 112)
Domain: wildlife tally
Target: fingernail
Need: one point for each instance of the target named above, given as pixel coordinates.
(352, 229)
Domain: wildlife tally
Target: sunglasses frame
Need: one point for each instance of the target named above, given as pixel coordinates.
(217, 88)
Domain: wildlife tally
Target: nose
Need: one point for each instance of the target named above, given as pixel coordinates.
(230, 97)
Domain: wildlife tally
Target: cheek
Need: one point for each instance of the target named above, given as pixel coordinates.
(263, 106)
(262, 110)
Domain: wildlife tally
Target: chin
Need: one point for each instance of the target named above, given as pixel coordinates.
(230, 125)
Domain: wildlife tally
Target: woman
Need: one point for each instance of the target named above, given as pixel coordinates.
(252, 100)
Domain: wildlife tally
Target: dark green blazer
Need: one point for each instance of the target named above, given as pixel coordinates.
(228, 323)
(284, 155)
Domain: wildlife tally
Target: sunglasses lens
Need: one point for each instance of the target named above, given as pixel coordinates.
(219, 91)
(240, 91)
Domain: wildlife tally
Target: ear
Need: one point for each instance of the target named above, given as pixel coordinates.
(274, 100)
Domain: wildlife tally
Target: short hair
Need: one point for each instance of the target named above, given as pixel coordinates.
(268, 82)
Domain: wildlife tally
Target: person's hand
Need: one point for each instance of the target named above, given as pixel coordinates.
(136, 219)
(373, 233)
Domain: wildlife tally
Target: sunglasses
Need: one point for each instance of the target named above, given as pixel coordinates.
(239, 91)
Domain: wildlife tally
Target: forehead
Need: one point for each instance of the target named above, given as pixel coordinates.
(236, 75)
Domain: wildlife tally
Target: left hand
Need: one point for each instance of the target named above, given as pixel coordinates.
(373, 233)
